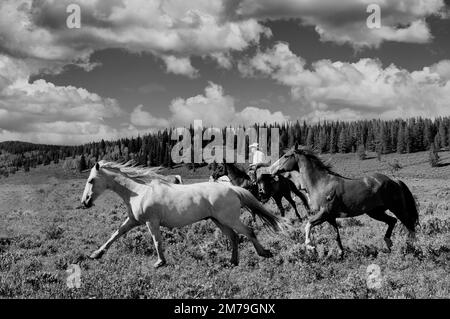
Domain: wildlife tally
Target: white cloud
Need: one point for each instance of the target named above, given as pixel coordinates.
(251, 114)
(224, 60)
(42, 112)
(37, 29)
(177, 29)
(217, 109)
(364, 89)
(344, 21)
(180, 66)
(442, 69)
(45, 113)
(140, 117)
(213, 108)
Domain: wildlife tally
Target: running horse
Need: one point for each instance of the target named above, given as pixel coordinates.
(266, 187)
(154, 202)
(334, 196)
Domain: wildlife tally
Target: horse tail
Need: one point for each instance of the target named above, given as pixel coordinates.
(411, 219)
(248, 201)
(299, 194)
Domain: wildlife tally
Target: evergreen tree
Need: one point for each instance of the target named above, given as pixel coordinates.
(428, 136)
(323, 141)
(284, 140)
(82, 163)
(384, 139)
(401, 145)
(442, 134)
(437, 142)
(310, 138)
(342, 142)
(333, 141)
(408, 140)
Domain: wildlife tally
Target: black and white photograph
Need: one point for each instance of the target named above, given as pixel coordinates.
(241, 151)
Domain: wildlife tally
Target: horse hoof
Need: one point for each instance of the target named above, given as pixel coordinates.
(234, 262)
(309, 247)
(97, 254)
(159, 263)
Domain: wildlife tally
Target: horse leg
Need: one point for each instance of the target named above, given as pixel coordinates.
(153, 227)
(380, 215)
(292, 202)
(277, 199)
(124, 228)
(234, 241)
(254, 192)
(338, 236)
(253, 216)
(314, 221)
(239, 227)
(302, 197)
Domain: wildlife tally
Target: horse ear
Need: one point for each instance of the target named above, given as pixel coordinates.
(296, 146)
(97, 166)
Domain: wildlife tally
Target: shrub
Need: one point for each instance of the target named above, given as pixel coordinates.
(395, 166)
(379, 151)
(434, 158)
(362, 155)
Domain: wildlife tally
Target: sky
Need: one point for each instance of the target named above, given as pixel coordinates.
(136, 66)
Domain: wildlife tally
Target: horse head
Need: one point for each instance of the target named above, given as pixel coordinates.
(265, 184)
(286, 163)
(95, 186)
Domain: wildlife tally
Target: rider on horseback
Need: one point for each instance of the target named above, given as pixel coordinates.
(257, 158)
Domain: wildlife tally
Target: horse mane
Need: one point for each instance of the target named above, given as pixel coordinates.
(313, 157)
(132, 170)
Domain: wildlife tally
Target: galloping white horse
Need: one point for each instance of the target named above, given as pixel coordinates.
(155, 202)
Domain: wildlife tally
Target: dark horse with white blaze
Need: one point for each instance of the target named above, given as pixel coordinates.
(334, 196)
(267, 186)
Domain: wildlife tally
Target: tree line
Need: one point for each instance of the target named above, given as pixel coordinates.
(154, 149)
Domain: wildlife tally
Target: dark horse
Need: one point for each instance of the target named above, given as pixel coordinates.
(334, 196)
(267, 186)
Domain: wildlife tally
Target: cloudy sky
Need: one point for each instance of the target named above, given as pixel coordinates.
(140, 65)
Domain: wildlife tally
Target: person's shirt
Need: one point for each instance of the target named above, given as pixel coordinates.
(258, 157)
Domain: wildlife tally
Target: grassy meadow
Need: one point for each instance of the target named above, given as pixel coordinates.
(42, 232)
